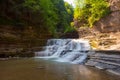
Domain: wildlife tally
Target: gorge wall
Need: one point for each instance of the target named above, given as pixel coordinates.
(110, 23)
(105, 33)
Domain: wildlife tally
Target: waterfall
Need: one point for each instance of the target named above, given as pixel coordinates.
(65, 50)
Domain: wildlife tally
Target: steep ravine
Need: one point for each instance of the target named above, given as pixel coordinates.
(105, 33)
(104, 38)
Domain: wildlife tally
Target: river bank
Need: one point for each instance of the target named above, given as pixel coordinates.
(6, 52)
(106, 49)
(105, 60)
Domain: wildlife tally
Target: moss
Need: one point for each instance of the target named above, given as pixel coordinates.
(94, 44)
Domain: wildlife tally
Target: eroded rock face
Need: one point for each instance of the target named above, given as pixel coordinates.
(114, 5)
(110, 23)
(107, 60)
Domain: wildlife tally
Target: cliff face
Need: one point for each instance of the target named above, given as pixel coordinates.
(110, 23)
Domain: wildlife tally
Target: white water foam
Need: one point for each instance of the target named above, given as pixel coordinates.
(65, 50)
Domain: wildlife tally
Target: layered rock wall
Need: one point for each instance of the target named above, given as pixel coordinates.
(110, 23)
(107, 60)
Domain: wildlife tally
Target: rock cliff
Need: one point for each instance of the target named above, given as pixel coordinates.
(110, 23)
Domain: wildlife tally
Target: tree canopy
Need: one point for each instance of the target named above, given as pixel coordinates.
(87, 12)
(53, 16)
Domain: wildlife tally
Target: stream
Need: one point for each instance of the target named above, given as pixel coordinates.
(59, 60)
(41, 69)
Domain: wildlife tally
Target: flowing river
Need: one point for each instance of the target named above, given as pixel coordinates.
(41, 69)
(58, 61)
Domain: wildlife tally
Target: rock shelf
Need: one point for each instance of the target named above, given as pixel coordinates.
(105, 60)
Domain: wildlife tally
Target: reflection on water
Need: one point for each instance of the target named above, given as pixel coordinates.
(38, 69)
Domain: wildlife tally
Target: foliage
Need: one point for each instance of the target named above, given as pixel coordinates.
(52, 16)
(94, 44)
(55, 16)
(63, 22)
(70, 11)
(44, 13)
(87, 12)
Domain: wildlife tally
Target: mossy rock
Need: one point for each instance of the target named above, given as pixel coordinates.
(94, 44)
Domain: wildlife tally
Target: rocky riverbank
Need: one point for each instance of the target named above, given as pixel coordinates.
(101, 41)
(8, 52)
(105, 60)
(18, 41)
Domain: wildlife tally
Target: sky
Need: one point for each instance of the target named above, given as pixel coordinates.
(70, 1)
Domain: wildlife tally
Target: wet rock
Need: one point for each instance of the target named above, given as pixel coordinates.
(114, 71)
(105, 60)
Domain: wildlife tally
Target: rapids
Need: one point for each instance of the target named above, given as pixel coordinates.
(65, 50)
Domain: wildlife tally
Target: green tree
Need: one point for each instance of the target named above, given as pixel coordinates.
(42, 15)
(87, 12)
(70, 11)
(61, 12)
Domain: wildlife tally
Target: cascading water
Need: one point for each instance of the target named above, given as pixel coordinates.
(66, 50)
